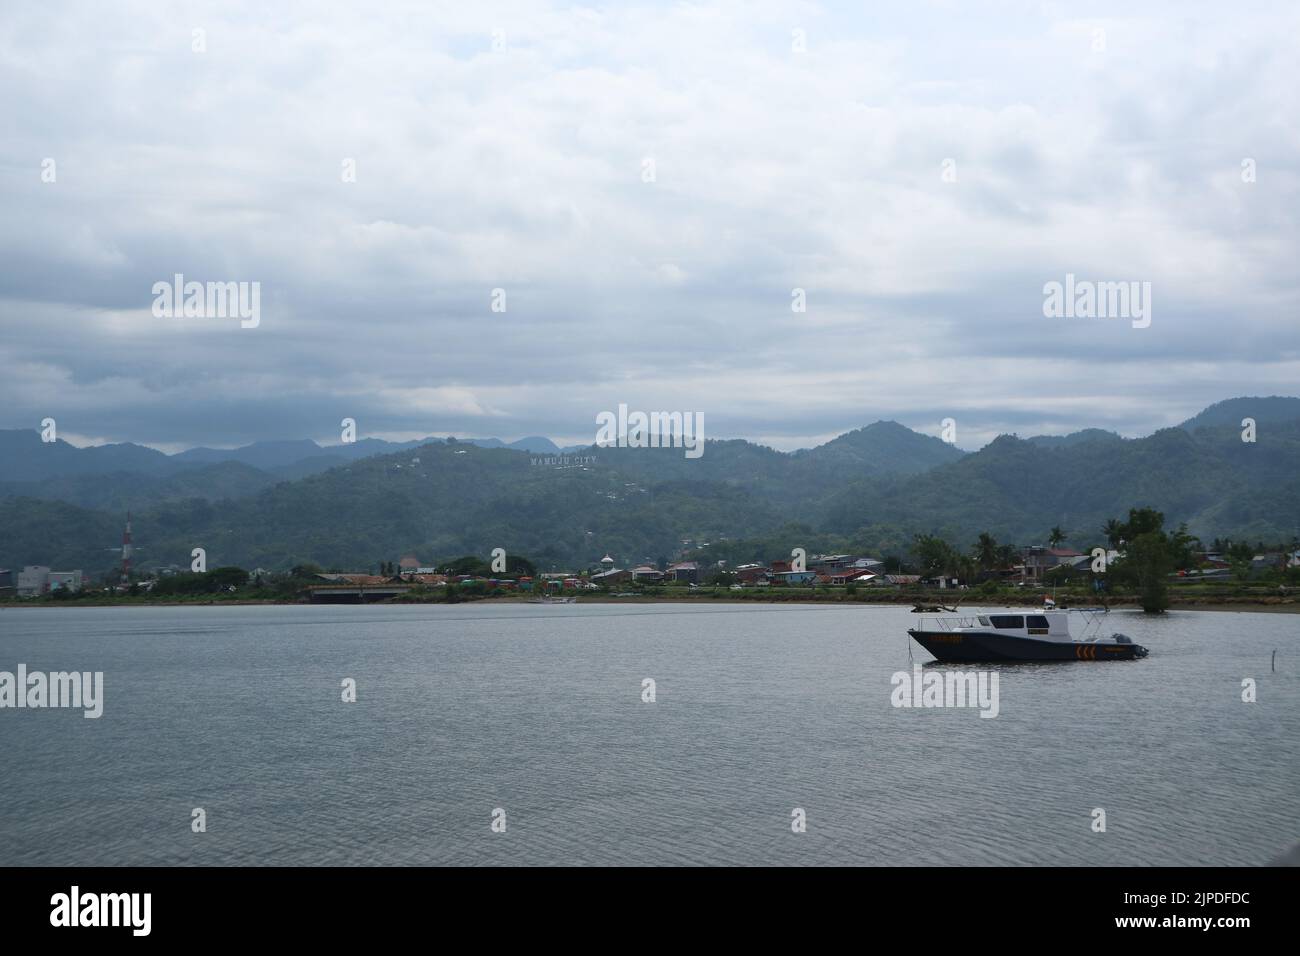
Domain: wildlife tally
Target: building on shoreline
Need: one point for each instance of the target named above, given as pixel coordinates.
(688, 571)
(612, 576)
(1039, 560)
(37, 579)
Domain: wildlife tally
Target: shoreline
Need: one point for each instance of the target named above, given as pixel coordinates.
(1260, 604)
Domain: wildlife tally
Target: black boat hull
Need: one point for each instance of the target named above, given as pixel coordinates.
(957, 647)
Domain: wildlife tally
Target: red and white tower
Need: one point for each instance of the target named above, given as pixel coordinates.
(126, 550)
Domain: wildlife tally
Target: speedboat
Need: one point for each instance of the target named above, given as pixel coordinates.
(1015, 636)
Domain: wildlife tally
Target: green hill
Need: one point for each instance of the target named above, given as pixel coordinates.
(872, 489)
(1017, 489)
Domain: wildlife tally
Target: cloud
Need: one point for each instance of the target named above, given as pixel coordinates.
(505, 148)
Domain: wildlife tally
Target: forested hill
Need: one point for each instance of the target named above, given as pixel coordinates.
(870, 490)
(1017, 490)
(455, 497)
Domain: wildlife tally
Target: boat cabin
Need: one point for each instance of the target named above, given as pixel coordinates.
(1048, 625)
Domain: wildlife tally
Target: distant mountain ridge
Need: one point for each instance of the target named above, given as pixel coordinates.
(25, 458)
(870, 489)
(1271, 410)
(878, 448)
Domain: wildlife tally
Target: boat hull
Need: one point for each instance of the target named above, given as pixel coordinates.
(972, 647)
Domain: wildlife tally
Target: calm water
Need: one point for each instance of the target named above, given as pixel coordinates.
(537, 710)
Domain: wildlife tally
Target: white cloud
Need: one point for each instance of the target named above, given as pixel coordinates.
(522, 169)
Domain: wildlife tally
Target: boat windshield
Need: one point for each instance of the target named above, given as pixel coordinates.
(1007, 621)
(984, 621)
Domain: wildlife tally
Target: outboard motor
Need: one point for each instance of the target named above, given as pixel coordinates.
(1138, 649)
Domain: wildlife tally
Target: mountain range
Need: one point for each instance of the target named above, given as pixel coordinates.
(277, 504)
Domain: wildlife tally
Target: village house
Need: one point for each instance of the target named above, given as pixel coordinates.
(1084, 561)
(751, 574)
(902, 579)
(849, 575)
(612, 576)
(831, 563)
(792, 578)
(688, 571)
(1274, 559)
(1039, 560)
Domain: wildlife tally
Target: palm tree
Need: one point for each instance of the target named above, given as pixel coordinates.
(1114, 532)
(986, 551)
(1055, 537)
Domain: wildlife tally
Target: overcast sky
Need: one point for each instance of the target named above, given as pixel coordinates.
(507, 147)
